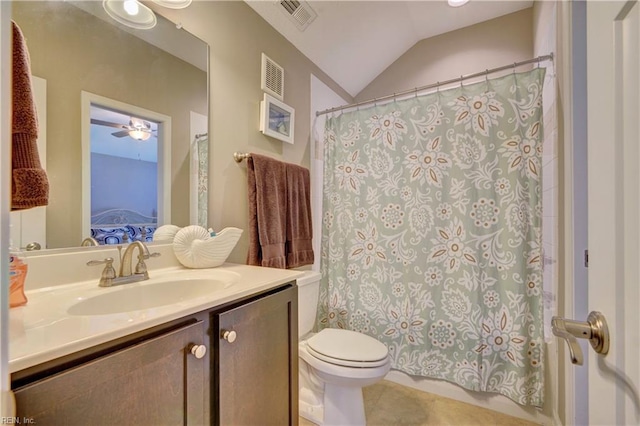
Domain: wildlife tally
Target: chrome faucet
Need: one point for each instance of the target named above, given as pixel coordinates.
(126, 275)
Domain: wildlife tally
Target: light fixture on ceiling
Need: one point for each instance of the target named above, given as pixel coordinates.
(140, 129)
(173, 4)
(457, 3)
(131, 13)
(139, 134)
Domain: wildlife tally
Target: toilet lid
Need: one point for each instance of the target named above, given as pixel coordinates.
(348, 348)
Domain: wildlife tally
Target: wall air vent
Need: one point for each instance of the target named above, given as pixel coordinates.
(300, 12)
(272, 80)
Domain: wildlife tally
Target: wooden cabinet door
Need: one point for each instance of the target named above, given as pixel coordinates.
(156, 382)
(257, 373)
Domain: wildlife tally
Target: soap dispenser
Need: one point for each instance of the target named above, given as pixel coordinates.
(17, 276)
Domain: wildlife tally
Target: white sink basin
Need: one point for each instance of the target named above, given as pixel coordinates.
(147, 295)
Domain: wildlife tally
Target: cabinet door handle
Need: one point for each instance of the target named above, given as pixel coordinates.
(229, 335)
(198, 351)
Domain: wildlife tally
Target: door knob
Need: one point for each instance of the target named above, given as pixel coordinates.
(229, 335)
(594, 328)
(198, 351)
(33, 246)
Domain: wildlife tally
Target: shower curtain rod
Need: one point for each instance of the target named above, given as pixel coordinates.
(439, 83)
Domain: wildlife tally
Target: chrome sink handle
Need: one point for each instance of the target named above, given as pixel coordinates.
(108, 273)
(141, 267)
(154, 254)
(595, 329)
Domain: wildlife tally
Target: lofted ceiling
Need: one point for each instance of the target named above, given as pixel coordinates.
(354, 41)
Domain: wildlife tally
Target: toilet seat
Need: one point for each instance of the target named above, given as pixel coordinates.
(347, 348)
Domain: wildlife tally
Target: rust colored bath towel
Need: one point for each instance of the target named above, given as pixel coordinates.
(29, 183)
(299, 231)
(280, 231)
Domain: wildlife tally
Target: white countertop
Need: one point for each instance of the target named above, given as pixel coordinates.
(43, 329)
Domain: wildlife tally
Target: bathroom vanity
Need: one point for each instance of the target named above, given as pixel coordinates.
(230, 358)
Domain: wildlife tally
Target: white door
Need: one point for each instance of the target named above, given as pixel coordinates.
(30, 226)
(613, 75)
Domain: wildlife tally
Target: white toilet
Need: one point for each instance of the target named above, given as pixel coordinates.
(334, 364)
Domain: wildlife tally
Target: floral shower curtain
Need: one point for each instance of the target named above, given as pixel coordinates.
(202, 159)
(431, 238)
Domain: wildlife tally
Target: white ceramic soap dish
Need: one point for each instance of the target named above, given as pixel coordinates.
(196, 248)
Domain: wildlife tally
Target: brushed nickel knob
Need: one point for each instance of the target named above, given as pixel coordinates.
(198, 351)
(229, 335)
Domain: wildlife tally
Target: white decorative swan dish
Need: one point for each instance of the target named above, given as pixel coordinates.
(196, 248)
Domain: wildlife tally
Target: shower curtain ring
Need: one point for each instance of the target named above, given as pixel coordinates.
(415, 92)
(437, 87)
(538, 61)
(486, 76)
(514, 68)
(375, 102)
(461, 77)
(394, 97)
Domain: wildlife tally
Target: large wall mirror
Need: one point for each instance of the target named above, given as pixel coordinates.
(84, 63)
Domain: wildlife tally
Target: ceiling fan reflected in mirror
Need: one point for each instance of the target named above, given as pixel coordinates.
(137, 129)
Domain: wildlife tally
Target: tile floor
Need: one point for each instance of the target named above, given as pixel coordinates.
(390, 404)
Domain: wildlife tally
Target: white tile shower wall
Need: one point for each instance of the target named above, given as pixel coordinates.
(545, 43)
(544, 39)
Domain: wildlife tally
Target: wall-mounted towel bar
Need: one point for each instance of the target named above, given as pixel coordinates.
(239, 156)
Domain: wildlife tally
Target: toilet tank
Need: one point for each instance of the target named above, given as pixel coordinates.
(308, 289)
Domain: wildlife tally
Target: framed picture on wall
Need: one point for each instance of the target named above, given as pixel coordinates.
(276, 119)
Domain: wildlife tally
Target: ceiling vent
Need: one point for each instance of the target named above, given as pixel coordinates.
(272, 80)
(299, 12)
